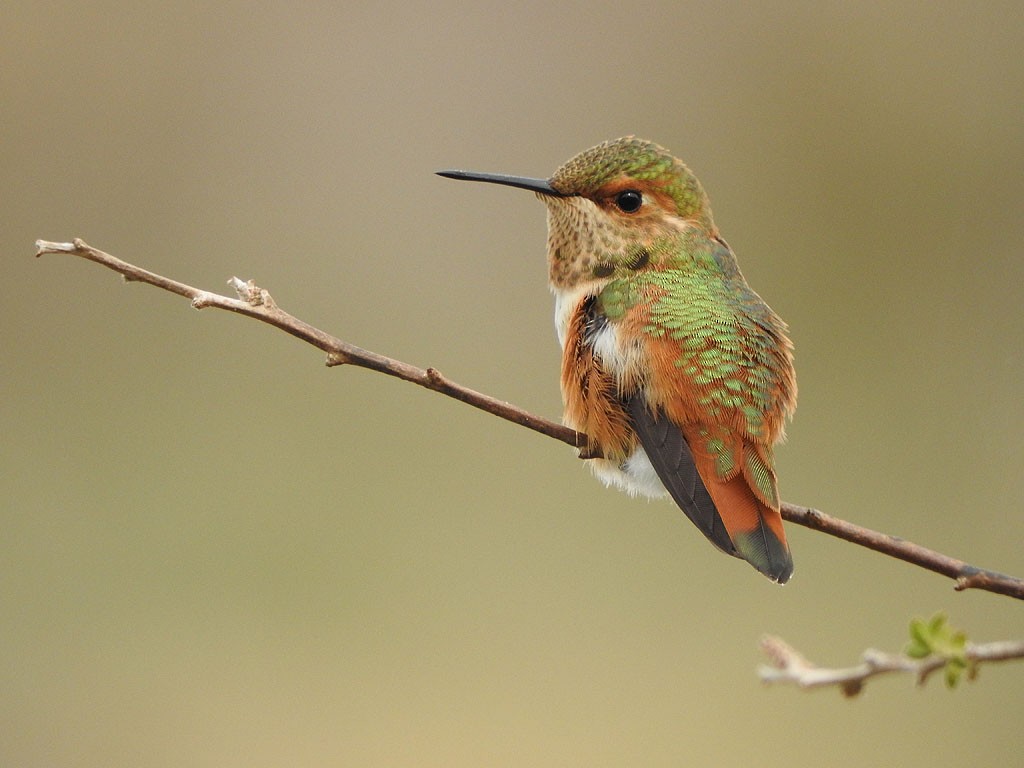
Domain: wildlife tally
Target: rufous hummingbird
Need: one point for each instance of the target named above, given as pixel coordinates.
(679, 374)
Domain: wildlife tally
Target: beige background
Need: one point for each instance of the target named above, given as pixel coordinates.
(216, 552)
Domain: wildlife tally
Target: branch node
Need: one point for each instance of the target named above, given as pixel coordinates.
(202, 300)
(251, 293)
(435, 377)
(337, 358)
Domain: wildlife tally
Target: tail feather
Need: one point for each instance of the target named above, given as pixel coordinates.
(724, 484)
(754, 527)
(747, 501)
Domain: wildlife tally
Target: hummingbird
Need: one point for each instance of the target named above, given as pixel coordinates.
(680, 375)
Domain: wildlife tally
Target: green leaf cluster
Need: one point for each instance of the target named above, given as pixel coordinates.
(935, 637)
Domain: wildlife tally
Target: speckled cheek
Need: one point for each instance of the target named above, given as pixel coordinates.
(581, 244)
(564, 244)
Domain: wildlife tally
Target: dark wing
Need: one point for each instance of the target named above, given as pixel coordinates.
(670, 455)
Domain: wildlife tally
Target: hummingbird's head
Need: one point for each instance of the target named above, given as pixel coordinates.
(620, 205)
(611, 207)
(634, 177)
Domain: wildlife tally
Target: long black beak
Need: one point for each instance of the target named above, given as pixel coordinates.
(543, 186)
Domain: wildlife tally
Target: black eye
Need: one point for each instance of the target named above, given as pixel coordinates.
(629, 200)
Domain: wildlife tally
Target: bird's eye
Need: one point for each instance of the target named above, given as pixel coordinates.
(629, 200)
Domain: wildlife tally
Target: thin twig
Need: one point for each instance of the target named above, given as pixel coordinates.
(966, 576)
(787, 665)
(257, 303)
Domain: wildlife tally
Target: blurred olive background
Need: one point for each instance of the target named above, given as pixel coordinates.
(216, 552)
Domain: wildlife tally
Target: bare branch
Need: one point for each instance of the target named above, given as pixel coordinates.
(966, 576)
(257, 303)
(788, 665)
